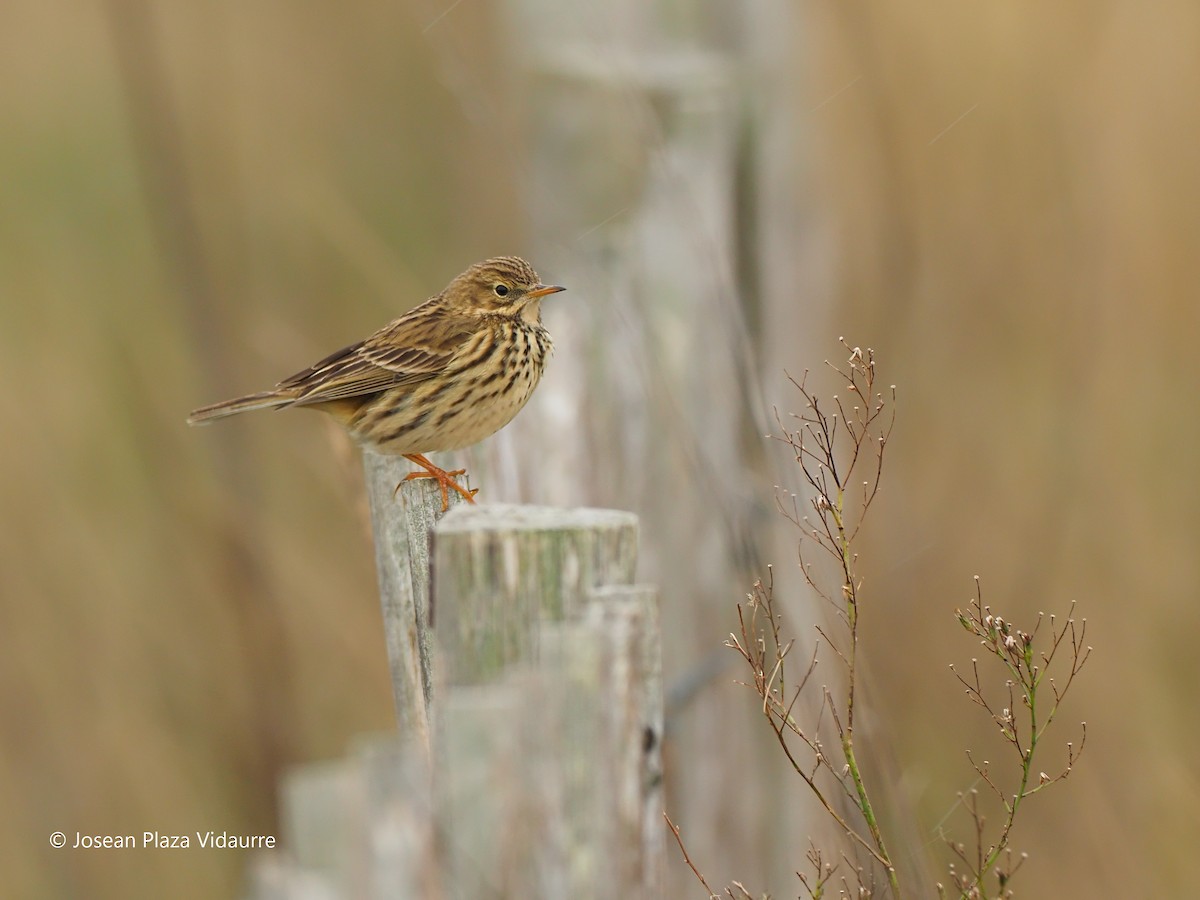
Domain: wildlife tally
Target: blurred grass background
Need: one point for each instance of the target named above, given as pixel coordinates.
(195, 200)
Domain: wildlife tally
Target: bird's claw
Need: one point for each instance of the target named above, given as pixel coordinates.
(445, 480)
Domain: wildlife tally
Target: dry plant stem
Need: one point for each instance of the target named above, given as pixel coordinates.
(1028, 675)
(773, 689)
(829, 448)
(687, 859)
(823, 873)
(832, 448)
(742, 893)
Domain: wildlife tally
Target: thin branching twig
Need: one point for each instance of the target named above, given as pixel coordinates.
(1022, 720)
(839, 446)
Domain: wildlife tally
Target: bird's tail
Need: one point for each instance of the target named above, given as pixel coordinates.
(263, 400)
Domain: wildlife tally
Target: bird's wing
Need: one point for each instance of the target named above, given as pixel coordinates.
(410, 350)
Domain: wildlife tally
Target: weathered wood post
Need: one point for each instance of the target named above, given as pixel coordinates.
(549, 777)
(531, 714)
(501, 569)
(402, 523)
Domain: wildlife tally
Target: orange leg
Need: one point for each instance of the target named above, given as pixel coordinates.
(445, 479)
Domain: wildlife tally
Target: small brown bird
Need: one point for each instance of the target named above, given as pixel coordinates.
(445, 375)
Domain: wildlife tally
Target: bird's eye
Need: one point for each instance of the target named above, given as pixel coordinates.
(501, 290)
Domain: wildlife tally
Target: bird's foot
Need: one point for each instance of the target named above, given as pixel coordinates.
(445, 480)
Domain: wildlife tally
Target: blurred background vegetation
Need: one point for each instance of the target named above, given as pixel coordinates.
(195, 200)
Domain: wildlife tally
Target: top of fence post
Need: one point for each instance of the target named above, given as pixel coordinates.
(500, 569)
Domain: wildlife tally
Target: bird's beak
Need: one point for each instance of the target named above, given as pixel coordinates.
(542, 290)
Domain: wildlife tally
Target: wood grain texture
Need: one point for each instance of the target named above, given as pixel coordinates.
(501, 569)
(402, 523)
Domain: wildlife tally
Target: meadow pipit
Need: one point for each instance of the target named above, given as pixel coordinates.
(447, 374)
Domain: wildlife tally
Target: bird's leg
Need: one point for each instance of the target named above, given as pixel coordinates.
(445, 479)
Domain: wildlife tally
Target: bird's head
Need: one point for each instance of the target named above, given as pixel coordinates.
(504, 286)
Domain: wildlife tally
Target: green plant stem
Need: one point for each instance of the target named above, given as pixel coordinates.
(1029, 690)
(868, 812)
(860, 788)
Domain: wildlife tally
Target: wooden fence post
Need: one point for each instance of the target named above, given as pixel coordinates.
(627, 617)
(544, 778)
(549, 777)
(402, 522)
(363, 827)
(500, 569)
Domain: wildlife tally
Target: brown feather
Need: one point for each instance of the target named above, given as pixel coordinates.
(407, 351)
(263, 400)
